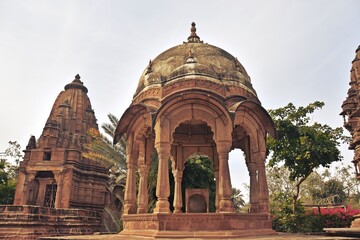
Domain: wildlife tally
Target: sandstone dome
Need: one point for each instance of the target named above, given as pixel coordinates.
(193, 60)
(194, 99)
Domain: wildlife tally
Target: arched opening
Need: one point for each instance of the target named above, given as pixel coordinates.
(193, 149)
(239, 173)
(239, 178)
(199, 174)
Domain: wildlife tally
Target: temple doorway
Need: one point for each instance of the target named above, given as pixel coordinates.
(42, 190)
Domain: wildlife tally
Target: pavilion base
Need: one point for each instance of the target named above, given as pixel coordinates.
(32, 222)
(197, 225)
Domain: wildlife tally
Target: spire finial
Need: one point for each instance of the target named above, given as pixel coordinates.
(357, 55)
(149, 70)
(193, 38)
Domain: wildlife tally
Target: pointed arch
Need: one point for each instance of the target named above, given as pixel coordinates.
(250, 109)
(127, 119)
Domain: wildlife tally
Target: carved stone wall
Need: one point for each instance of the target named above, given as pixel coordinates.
(57, 156)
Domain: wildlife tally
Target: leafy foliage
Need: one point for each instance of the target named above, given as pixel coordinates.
(322, 191)
(199, 173)
(8, 172)
(302, 147)
(152, 181)
(112, 157)
(238, 199)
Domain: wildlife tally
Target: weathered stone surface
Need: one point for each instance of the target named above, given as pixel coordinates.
(53, 172)
(32, 222)
(351, 114)
(55, 179)
(194, 98)
(351, 110)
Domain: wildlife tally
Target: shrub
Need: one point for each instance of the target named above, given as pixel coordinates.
(315, 221)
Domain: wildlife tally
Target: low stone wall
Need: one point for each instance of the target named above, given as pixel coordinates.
(213, 225)
(31, 222)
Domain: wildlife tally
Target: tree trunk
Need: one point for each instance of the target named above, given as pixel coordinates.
(296, 195)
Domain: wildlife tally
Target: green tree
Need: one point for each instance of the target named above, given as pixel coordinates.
(300, 146)
(199, 173)
(8, 172)
(102, 150)
(238, 199)
(346, 175)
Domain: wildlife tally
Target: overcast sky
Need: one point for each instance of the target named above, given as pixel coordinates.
(294, 51)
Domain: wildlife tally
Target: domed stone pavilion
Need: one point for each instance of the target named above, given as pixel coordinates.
(194, 98)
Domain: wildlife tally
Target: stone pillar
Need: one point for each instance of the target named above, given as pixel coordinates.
(254, 196)
(217, 198)
(130, 190)
(225, 190)
(163, 186)
(22, 187)
(216, 171)
(59, 181)
(263, 188)
(67, 182)
(143, 189)
(177, 191)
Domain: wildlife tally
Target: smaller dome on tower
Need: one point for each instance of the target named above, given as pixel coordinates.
(70, 117)
(76, 83)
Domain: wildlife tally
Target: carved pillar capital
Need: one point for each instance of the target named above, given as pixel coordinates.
(143, 169)
(178, 173)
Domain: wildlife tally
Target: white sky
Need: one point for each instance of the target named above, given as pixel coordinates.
(294, 51)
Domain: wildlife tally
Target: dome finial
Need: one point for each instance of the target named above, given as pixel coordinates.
(194, 38)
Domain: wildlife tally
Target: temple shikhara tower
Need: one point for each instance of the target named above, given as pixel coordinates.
(53, 173)
(351, 114)
(59, 192)
(194, 98)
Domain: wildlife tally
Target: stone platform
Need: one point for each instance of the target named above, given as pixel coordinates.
(32, 222)
(280, 236)
(349, 232)
(197, 225)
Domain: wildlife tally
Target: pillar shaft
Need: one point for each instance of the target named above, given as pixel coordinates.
(178, 201)
(59, 182)
(163, 186)
(263, 188)
(143, 189)
(22, 188)
(217, 198)
(130, 194)
(254, 195)
(66, 188)
(225, 190)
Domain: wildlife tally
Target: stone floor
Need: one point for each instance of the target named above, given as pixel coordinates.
(280, 236)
